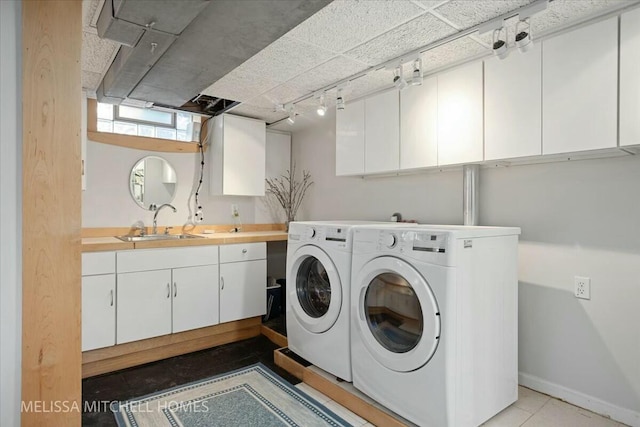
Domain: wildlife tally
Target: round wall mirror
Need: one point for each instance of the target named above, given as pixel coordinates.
(153, 182)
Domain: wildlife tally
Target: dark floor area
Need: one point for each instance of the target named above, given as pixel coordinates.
(157, 376)
(278, 324)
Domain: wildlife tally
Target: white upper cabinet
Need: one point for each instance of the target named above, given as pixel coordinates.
(237, 156)
(419, 125)
(512, 105)
(83, 139)
(630, 78)
(460, 117)
(382, 132)
(350, 139)
(579, 89)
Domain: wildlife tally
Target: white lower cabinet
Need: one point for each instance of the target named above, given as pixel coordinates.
(243, 287)
(144, 305)
(98, 311)
(155, 292)
(195, 297)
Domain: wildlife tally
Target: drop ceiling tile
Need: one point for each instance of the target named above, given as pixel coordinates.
(431, 4)
(405, 38)
(90, 11)
(284, 59)
(344, 24)
(90, 81)
(96, 53)
(372, 82)
(279, 95)
(262, 113)
(452, 53)
(465, 13)
(330, 72)
(240, 86)
(562, 12)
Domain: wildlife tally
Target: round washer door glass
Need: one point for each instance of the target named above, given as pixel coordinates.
(393, 312)
(313, 287)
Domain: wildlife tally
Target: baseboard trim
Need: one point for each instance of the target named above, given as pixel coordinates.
(582, 400)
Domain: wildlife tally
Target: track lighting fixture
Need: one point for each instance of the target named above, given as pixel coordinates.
(322, 106)
(416, 77)
(523, 35)
(398, 80)
(500, 43)
(292, 113)
(339, 100)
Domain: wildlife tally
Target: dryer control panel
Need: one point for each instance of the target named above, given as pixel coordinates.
(427, 245)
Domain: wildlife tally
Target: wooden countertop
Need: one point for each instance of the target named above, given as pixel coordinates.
(97, 244)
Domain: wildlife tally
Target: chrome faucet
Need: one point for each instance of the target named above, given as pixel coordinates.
(155, 217)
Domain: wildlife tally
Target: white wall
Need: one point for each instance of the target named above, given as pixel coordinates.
(577, 218)
(10, 211)
(107, 202)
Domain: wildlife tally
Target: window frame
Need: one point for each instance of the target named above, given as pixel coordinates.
(118, 117)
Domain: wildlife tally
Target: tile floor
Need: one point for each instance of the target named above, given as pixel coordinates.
(532, 409)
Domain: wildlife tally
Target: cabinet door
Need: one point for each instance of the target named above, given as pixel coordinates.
(382, 132)
(579, 89)
(512, 105)
(195, 297)
(419, 125)
(243, 290)
(143, 305)
(630, 78)
(98, 311)
(460, 115)
(350, 139)
(244, 156)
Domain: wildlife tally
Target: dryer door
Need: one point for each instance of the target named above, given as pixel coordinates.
(397, 314)
(316, 297)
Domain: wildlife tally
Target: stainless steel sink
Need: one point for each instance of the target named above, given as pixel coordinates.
(152, 237)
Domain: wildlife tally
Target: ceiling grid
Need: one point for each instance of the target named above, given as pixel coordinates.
(348, 37)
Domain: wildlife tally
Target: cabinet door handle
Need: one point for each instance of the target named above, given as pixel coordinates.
(168, 290)
(244, 251)
(222, 282)
(175, 289)
(111, 292)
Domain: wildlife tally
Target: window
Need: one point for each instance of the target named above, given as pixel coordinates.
(128, 120)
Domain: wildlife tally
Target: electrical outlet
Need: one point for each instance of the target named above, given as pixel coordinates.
(582, 287)
(234, 211)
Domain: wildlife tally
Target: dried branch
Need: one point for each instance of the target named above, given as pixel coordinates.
(288, 191)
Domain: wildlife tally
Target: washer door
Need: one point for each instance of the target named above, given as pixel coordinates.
(397, 314)
(316, 297)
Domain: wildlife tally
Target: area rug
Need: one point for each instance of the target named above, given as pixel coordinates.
(251, 396)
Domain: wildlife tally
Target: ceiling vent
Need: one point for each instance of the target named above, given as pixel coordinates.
(174, 49)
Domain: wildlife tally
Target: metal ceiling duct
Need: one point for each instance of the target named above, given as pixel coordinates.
(174, 49)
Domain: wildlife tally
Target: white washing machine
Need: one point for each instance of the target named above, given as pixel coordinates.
(318, 293)
(435, 321)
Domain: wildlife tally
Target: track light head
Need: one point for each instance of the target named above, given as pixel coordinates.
(416, 77)
(398, 80)
(523, 35)
(339, 100)
(291, 109)
(500, 43)
(322, 106)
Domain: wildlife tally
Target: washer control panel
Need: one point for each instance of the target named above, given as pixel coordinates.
(430, 241)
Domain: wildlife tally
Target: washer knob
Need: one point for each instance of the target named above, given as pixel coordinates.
(310, 232)
(390, 240)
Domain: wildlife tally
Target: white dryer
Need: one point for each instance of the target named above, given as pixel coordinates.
(434, 321)
(318, 293)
